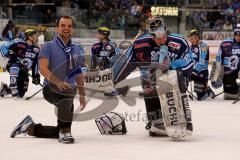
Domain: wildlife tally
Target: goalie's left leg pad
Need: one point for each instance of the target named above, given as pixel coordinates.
(174, 103)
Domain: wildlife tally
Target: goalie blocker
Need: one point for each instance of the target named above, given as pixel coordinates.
(176, 113)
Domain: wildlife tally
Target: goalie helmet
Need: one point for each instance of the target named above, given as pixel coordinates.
(159, 33)
(154, 23)
(111, 123)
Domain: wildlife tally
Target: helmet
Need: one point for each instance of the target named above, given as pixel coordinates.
(104, 30)
(111, 123)
(30, 32)
(154, 23)
(193, 32)
(236, 31)
(159, 33)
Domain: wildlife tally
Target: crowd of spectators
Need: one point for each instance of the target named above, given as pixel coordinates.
(120, 14)
(224, 18)
(86, 13)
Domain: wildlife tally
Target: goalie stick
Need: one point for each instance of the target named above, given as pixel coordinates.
(27, 98)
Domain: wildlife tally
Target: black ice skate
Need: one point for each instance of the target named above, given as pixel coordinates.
(4, 90)
(157, 129)
(22, 127)
(66, 138)
(189, 128)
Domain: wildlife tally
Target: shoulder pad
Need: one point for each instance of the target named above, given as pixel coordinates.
(112, 42)
(203, 46)
(227, 42)
(176, 35)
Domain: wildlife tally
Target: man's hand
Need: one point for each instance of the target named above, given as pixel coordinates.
(63, 86)
(83, 102)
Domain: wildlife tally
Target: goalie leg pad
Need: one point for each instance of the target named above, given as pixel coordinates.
(216, 72)
(174, 104)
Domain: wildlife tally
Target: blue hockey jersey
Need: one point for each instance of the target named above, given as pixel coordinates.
(229, 56)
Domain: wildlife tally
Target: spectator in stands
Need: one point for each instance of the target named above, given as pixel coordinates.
(224, 5)
(136, 9)
(124, 4)
(235, 5)
(227, 26)
(218, 25)
(48, 17)
(7, 33)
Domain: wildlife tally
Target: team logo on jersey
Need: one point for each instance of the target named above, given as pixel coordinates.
(109, 48)
(13, 80)
(140, 56)
(174, 45)
(141, 45)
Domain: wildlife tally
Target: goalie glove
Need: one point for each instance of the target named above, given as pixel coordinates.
(216, 84)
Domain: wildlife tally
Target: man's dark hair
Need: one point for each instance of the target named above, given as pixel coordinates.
(65, 17)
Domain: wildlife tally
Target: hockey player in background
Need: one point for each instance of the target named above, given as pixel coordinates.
(23, 56)
(104, 54)
(200, 53)
(152, 52)
(226, 68)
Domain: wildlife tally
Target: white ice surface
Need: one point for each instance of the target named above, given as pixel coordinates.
(216, 133)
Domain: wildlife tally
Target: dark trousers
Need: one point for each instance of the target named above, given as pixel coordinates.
(153, 108)
(230, 83)
(64, 104)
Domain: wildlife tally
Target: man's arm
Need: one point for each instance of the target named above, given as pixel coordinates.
(81, 91)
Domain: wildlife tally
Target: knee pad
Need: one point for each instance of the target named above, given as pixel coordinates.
(14, 72)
